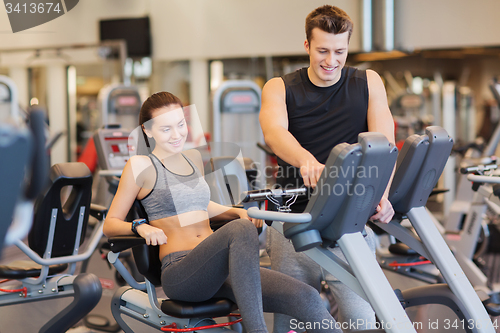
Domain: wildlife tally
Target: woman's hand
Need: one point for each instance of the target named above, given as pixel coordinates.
(244, 215)
(152, 235)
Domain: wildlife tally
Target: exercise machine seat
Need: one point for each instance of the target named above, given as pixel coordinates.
(215, 307)
(147, 259)
(149, 265)
(21, 269)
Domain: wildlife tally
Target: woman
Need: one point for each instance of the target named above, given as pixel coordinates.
(198, 264)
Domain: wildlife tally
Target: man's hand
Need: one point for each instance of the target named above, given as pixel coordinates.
(311, 171)
(152, 235)
(385, 212)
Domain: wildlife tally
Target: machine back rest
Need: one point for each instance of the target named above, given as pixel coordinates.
(62, 221)
(147, 258)
(416, 177)
(15, 150)
(349, 189)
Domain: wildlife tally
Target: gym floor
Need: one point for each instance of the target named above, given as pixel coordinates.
(38, 313)
(11, 316)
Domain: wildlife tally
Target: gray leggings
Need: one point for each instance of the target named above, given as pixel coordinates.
(226, 264)
(354, 312)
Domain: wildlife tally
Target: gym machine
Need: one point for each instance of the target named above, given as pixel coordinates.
(419, 166)
(23, 160)
(236, 107)
(119, 104)
(58, 230)
(420, 163)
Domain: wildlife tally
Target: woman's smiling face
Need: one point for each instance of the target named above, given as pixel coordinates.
(169, 128)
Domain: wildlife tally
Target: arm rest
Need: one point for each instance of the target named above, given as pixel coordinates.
(278, 216)
(98, 211)
(121, 243)
(113, 258)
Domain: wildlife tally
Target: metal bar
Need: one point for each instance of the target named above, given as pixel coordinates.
(113, 258)
(277, 216)
(336, 267)
(450, 269)
(483, 179)
(61, 260)
(374, 283)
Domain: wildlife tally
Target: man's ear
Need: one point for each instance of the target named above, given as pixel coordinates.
(306, 46)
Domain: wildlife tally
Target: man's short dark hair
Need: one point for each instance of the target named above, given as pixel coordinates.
(329, 19)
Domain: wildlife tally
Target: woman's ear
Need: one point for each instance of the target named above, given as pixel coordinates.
(148, 132)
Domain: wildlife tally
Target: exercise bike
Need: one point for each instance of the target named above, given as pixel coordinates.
(323, 223)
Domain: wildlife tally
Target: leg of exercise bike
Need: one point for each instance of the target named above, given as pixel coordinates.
(374, 283)
(473, 273)
(87, 293)
(450, 269)
(364, 276)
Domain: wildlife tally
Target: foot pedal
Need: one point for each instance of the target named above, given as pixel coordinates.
(402, 249)
(400, 297)
(492, 305)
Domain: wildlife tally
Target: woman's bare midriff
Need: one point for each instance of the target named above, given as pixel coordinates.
(184, 231)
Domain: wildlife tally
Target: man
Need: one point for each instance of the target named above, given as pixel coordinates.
(304, 115)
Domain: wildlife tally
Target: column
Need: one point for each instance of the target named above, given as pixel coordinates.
(57, 110)
(199, 90)
(20, 77)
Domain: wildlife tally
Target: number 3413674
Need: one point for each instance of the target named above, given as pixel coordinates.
(33, 8)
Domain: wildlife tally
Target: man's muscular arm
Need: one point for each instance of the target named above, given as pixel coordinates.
(380, 120)
(274, 122)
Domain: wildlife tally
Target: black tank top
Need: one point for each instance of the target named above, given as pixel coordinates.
(322, 117)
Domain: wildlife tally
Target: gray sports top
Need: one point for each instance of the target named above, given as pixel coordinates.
(175, 194)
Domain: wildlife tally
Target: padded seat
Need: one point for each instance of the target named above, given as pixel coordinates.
(216, 307)
(22, 269)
